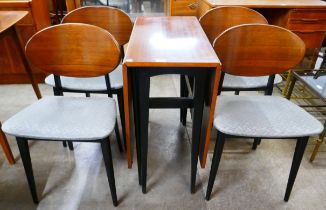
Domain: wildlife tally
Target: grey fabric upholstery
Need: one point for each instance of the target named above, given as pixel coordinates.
(64, 118)
(263, 116)
(89, 84)
(231, 81)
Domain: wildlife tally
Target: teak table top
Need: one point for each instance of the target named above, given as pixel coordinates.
(10, 18)
(169, 42)
(270, 3)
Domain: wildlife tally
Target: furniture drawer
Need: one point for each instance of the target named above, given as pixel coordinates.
(307, 24)
(183, 8)
(311, 39)
(302, 14)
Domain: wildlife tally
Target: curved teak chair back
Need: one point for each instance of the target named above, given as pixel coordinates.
(114, 20)
(74, 49)
(217, 20)
(258, 50)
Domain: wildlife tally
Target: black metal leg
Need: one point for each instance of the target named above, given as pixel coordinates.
(215, 163)
(122, 116)
(199, 93)
(70, 145)
(64, 143)
(26, 158)
(143, 102)
(237, 92)
(270, 85)
(259, 141)
(117, 135)
(88, 94)
(297, 157)
(256, 142)
(107, 157)
(183, 93)
(136, 124)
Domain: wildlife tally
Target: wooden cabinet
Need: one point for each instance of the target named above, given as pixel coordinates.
(11, 67)
(183, 7)
(306, 18)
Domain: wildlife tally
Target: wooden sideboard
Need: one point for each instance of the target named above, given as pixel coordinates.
(306, 18)
(11, 66)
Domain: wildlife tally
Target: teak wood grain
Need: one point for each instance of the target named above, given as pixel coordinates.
(10, 18)
(114, 20)
(217, 20)
(258, 50)
(74, 49)
(167, 42)
(5, 147)
(269, 3)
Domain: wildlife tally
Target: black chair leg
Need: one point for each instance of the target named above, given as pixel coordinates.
(107, 157)
(122, 116)
(26, 158)
(256, 142)
(199, 93)
(183, 93)
(297, 157)
(88, 94)
(219, 145)
(117, 135)
(237, 92)
(70, 145)
(64, 143)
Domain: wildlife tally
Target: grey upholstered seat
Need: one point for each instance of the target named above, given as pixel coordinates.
(89, 84)
(64, 118)
(263, 116)
(231, 81)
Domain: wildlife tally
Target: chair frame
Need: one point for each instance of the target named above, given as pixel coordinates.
(59, 90)
(6, 148)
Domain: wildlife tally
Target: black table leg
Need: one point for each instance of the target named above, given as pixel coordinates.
(183, 93)
(136, 122)
(199, 93)
(143, 81)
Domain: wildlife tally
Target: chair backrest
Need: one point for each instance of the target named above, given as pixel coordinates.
(73, 49)
(114, 20)
(218, 19)
(258, 50)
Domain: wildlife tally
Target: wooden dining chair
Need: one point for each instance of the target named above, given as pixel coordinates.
(5, 147)
(119, 24)
(214, 22)
(260, 50)
(69, 50)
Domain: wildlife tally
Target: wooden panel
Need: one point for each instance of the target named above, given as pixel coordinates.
(311, 39)
(307, 25)
(183, 8)
(11, 67)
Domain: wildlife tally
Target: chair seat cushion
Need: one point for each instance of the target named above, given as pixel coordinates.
(89, 84)
(64, 118)
(231, 81)
(263, 116)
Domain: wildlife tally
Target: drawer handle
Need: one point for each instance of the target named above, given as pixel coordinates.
(193, 5)
(309, 19)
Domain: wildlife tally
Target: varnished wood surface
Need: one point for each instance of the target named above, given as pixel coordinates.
(74, 49)
(114, 20)
(169, 41)
(258, 50)
(217, 20)
(10, 18)
(5, 147)
(269, 3)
